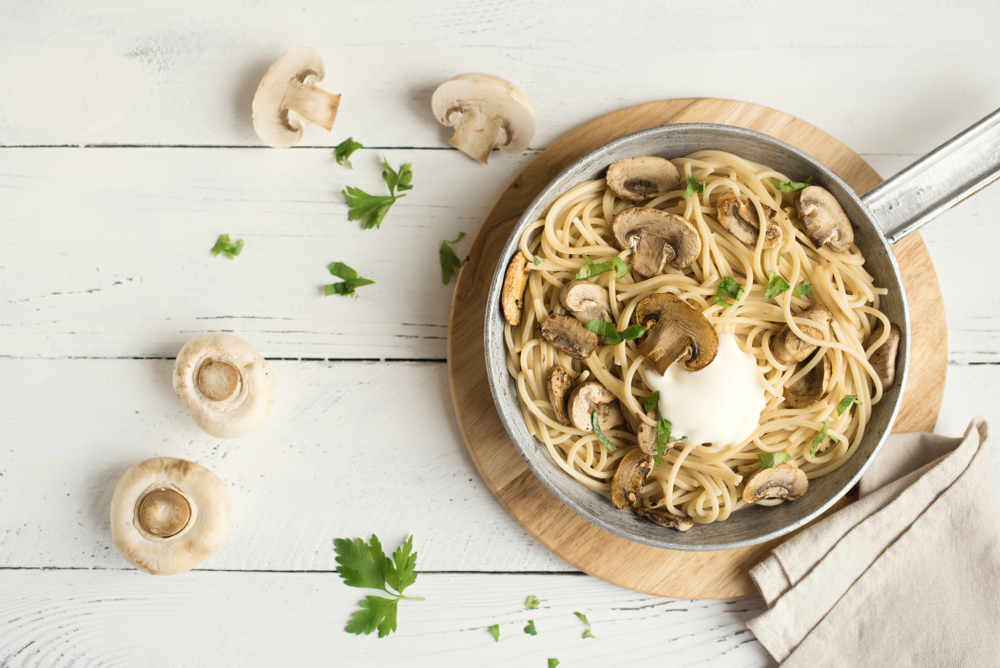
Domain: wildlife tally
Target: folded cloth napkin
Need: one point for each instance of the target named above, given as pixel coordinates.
(909, 575)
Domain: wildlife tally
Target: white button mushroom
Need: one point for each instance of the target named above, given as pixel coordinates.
(225, 384)
(486, 111)
(289, 98)
(168, 515)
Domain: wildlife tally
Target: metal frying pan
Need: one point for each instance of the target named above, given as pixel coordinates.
(881, 217)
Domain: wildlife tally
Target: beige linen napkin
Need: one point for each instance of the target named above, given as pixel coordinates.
(907, 576)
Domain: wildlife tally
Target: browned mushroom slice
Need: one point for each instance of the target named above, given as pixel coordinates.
(514, 283)
(740, 219)
(560, 386)
(787, 348)
(780, 482)
(809, 389)
(656, 238)
(590, 397)
(824, 219)
(663, 518)
(630, 478)
(883, 358)
(568, 335)
(675, 331)
(586, 301)
(646, 436)
(642, 178)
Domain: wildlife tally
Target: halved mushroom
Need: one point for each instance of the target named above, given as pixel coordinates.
(663, 518)
(289, 98)
(824, 219)
(646, 436)
(809, 389)
(741, 220)
(630, 478)
(486, 111)
(883, 358)
(568, 335)
(675, 331)
(168, 515)
(586, 301)
(788, 348)
(514, 283)
(780, 482)
(656, 238)
(590, 397)
(642, 178)
(225, 384)
(560, 386)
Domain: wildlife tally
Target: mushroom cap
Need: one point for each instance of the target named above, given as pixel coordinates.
(273, 121)
(780, 482)
(559, 386)
(586, 301)
(642, 178)
(788, 348)
(225, 384)
(168, 515)
(646, 436)
(590, 397)
(656, 238)
(675, 331)
(824, 219)
(514, 283)
(741, 220)
(568, 335)
(883, 358)
(630, 478)
(811, 387)
(663, 518)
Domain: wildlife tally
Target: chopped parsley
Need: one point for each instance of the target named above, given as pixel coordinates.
(495, 632)
(345, 150)
(775, 286)
(595, 423)
(611, 335)
(818, 441)
(790, 186)
(538, 260)
(769, 460)
(583, 618)
(652, 401)
(226, 246)
(347, 286)
(803, 289)
(449, 261)
(617, 265)
(847, 402)
(728, 288)
(694, 185)
(531, 602)
(663, 439)
(553, 663)
(371, 209)
(779, 259)
(530, 628)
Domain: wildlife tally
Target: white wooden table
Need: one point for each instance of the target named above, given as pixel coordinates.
(126, 148)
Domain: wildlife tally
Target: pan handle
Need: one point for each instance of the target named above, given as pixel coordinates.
(958, 168)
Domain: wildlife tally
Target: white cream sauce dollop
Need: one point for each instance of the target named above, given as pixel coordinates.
(720, 404)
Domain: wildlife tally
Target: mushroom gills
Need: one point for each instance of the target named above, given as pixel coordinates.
(663, 518)
(675, 331)
(824, 219)
(560, 387)
(568, 335)
(883, 358)
(784, 481)
(630, 478)
(811, 387)
(741, 220)
(642, 178)
(788, 348)
(656, 239)
(591, 397)
(514, 284)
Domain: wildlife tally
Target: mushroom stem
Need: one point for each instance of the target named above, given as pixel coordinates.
(163, 512)
(312, 102)
(477, 133)
(218, 380)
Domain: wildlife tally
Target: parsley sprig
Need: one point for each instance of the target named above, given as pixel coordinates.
(371, 209)
(611, 335)
(226, 246)
(345, 150)
(365, 565)
(349, 284)
(449, 261)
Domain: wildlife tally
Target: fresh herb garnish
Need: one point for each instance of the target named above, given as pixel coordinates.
(818, 441)
(652, 401)
(530, 628)
(371, 209)
(695, 185)
(366, 566)
(587, 633)
(621, 268)
(769, 460)
(790, 186)
(538, 260)
(617, 265)
(495, 632)
(595, 423)
(553, 663)
(775, 286)
(611, 335)
(728, 288)
(803, 289)
(663, 437)
(345, 150)
(449, 261)
(531, 602)
(226, 246)
(846, 403)
(350, 282)
(779, 259)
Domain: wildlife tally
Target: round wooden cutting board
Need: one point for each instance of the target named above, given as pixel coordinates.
(591, 549)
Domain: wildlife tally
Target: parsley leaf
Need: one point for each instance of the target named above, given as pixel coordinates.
(226, 246)
(790, 186)
(538, 260)
(775, 286)
(621, 268)
(449, 261)
(531, 602)
(370, 209)
(728, 288)
(365, 565)
(652, 401)
(596, 424)
(587, 633)
(345, 150)
(818, 441)
(349, 284)
(553, 663)
(593, 269)
(663, 437)
(846, 403)
(803, 289)
(530, 628)
(400, 179)
(495, 632)
(769, 460)
(611, 335)
(695, 185)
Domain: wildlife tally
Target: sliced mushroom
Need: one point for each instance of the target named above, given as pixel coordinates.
(675, 331)
(780, 482)
(788, 348)
(656, 238)
(824, 219)
(740, 219)
(568, 335)
(590, 397)
(486, 111)
(646, 436)
(514, 283)
(642, 178)
(663, 518)
(883, 358)
(630, 478)
(289, 98)
(809, 389)
(225, 384)
(560, 386)
(586, 301)
(168, 515)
